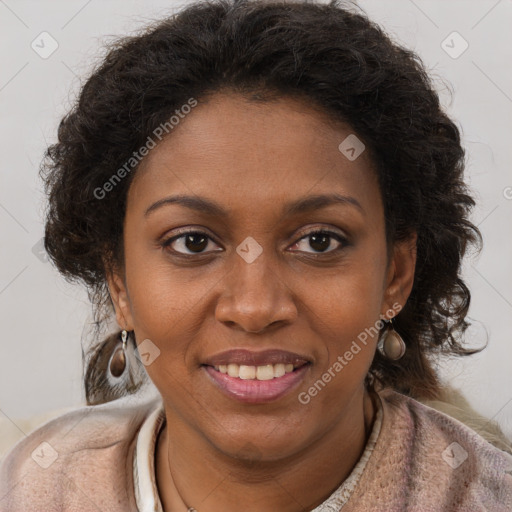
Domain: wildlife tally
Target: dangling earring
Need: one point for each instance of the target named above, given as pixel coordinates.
(117, 363)
(391, 345)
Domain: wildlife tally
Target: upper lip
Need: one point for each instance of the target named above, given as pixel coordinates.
(251, 358)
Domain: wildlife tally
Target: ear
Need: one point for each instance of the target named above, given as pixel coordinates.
(399, 276)
(120, 299)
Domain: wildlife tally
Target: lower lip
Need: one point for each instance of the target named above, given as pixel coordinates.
(257, 391)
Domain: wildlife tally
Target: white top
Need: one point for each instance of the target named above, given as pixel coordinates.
(146, 491)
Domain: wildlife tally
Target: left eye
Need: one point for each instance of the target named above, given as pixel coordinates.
(321, 240)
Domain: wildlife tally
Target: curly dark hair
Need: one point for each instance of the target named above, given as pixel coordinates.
(330, 56)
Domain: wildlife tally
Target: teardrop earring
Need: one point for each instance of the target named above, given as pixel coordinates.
(118, 360)
(391, 345)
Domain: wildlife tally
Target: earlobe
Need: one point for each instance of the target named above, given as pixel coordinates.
(400, 277)
(120, 299)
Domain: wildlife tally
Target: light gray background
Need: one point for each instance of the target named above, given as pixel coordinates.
(42, 316)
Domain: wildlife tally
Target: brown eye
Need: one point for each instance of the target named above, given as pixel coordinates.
(193, 242)
(321, 241)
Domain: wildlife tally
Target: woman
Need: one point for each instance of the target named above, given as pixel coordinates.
(271, 200)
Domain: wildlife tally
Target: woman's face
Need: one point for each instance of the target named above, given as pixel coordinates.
(257, 183)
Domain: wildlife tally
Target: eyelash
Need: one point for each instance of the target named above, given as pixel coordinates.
(339, 238)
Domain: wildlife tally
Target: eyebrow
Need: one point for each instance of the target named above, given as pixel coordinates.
(302, 205)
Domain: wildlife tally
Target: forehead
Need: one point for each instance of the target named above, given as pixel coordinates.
(254, 156)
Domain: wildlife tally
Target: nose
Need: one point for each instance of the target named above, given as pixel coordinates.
(255, 297)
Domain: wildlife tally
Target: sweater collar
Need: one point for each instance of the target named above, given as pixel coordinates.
(146, 490)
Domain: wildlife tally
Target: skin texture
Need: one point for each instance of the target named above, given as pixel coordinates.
(216, 453)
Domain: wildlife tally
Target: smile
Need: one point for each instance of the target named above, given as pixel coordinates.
(256, 384)
(265, 372)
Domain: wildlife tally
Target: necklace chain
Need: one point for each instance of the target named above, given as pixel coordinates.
(189, 509)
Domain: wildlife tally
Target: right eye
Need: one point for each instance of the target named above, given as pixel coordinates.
(194, 241)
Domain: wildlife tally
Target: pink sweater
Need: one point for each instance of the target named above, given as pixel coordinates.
(423, 461)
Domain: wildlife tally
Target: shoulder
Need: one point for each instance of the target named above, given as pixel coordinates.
(447, 462)
(78, 458)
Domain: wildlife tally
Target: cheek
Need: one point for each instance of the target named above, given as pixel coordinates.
(350, 334)
(352, 294)
(161, 296)
(347, 311)
(155, 305)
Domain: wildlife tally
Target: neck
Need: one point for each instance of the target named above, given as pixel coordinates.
(192, 474)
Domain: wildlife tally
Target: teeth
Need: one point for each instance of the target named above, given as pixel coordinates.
(233, 370)
(248, 372)
(280, 370)
(265, 372)
(262, 372)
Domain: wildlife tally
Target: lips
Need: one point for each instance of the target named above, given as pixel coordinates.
(251, 358)
(256, 377)
(255, 391)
